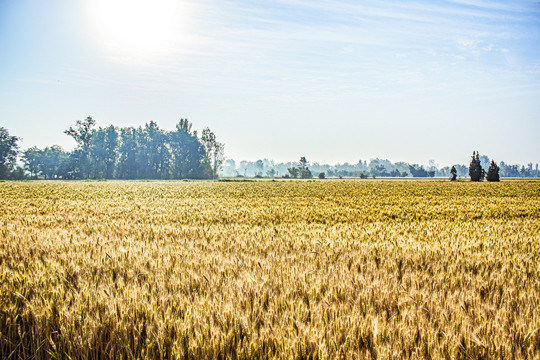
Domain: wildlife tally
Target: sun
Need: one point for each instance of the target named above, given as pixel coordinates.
(138, 30)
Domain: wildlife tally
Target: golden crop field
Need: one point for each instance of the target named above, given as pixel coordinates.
(320, 269)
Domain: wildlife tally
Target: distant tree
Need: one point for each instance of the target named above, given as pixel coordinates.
(493, 172)
(103, 152)
(188, 155)
(17, 173)
(293, 172)
(418, 171)
(153, 155)
(127, 154)
(453, 171)
(31, 159)
(363, 175)
(271, 172)
(50, 162)
(82, 135)
(260, 167)
(395, 173)
(322, 175)
(484, 161)
(379, 170)
(8, 153)
(214, 151)
(475, 168)
(303, 171)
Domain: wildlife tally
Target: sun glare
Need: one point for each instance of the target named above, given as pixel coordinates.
(138, 30)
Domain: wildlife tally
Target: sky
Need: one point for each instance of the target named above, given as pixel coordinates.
(334, 81)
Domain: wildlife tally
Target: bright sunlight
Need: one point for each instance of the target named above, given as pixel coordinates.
(137, 31)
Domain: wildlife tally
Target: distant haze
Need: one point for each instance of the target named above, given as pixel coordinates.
(334, 81)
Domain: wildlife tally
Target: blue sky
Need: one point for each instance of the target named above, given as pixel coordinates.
(334, 81)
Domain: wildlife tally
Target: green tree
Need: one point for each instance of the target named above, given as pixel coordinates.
(127, 154)
(293, 172)
(8, 153)
(153, 156)
(103, 152)
(82, 135)
(475, 168)
(50, 162)
(453, 171)
(32, 160)
(418, 171)
(303, 170)
(493, 172)
(379, 171)
(260, 167)
(188, 154)
(53, 162)
(214, 151)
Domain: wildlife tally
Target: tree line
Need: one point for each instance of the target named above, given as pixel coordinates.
(149, 152)
(364, 169)
(145, 152)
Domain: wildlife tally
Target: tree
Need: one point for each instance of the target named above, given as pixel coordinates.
(322, 175)
(82, 135)
(303, 171)
(153, 155)
(50, 162)
(188, 155)
(8, 153)
(214, 151)
(31, 159)
(379, 170)
(475, 168)
(493, 172)
(103, 152)
(260, 167)
(418, 171)
(293, 172)
(453, 171)
(127, 154)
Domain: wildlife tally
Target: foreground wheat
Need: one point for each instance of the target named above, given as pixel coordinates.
(270, 270)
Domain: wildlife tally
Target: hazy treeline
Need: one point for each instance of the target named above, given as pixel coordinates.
(149, 152)
(120, 153)
(375, 167)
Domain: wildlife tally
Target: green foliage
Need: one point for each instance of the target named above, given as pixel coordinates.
(419, 171)
(123, 153)
(301, 171)
(8, 153)
(493, 172)
(453, 171)
(214, 151)
(379, 170)
(475, 168)
(50, 162)
(293, 173)
(322, 175)
(82, 135)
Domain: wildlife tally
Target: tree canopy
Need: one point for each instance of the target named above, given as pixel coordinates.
(9, 150)
(146, 152)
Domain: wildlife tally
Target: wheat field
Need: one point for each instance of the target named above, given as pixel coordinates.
(264, 270)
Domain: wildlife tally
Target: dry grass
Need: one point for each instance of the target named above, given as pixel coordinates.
(332, 269)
